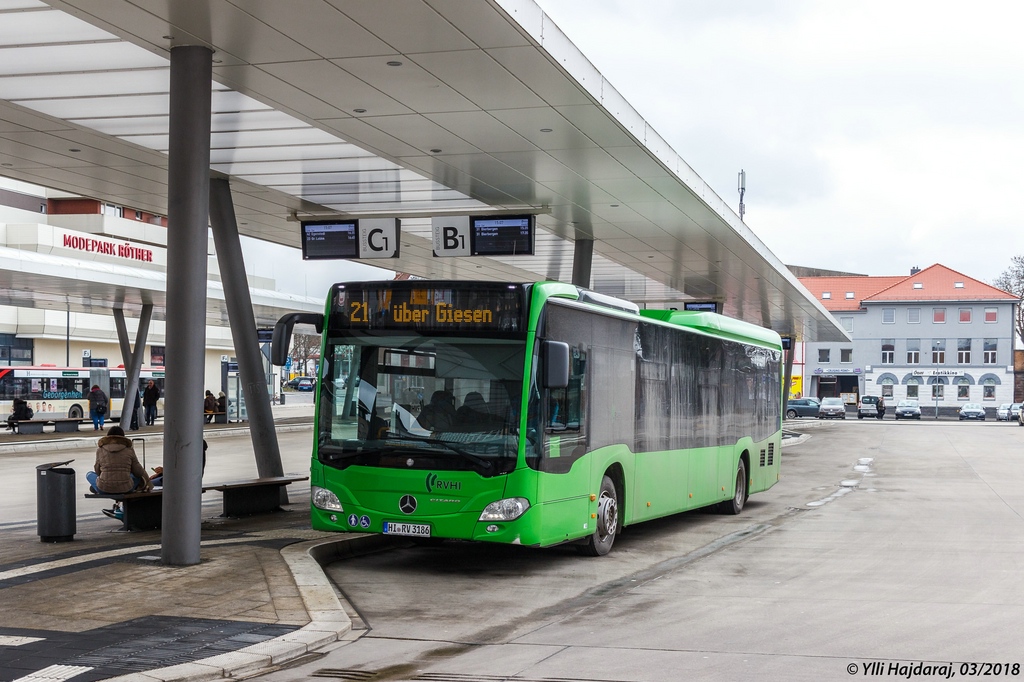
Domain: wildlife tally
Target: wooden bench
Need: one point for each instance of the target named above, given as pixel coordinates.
(33, 426)
(144, 511)
(253, 496)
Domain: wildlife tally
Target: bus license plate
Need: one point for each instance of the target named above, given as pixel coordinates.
(420, 530)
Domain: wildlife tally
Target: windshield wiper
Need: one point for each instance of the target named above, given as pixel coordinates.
(479, 461)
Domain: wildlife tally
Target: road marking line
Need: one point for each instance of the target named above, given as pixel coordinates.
(55, 673)
(10, 640)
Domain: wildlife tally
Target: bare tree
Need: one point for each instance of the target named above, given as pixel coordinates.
(304, 348)
(1012, 281)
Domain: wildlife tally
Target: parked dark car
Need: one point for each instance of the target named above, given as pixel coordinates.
(294, 383)
(871, 406)
(908, 409)
(1015, 410)
(802, 407)
(972, 411)
(832, 408)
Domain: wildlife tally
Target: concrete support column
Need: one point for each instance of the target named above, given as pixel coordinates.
(582, 259)
(132, 359)
(188, 214)
(788, 379)
(243, 331)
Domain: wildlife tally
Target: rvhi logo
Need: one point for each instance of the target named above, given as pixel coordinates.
(434, 483)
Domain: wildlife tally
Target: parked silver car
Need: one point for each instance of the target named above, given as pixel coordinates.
(1003, 413)
(908, 409)
(832, 408)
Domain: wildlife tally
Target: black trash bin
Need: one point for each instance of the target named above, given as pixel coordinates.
(282, 398)
(55, 502)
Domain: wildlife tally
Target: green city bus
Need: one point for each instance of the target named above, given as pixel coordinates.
(532, 414)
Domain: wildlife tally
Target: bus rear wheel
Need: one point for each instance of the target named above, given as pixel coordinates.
(75, 412)
(739, 498)
(600, 542)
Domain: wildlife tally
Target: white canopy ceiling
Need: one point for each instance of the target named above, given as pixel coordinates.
(405, 108)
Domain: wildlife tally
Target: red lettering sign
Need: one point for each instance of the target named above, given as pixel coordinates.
(126, 250)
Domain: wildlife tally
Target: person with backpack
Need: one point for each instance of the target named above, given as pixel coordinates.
(99, 404)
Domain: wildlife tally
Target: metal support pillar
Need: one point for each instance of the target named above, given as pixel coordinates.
(188, 215)
(132, 359)
(243, 332)
(788, 379)
(582, 258)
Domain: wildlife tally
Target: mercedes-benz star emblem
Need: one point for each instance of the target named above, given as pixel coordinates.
(407, 504)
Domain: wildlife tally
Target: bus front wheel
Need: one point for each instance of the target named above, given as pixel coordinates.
(739, 498)
(75, 412)
(600, 542)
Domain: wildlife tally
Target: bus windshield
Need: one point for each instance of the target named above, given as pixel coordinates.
(419, 402)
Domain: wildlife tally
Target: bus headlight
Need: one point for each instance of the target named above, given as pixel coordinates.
(508, 509)
(325, 499)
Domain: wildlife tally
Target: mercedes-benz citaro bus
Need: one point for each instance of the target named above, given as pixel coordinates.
(532, 414)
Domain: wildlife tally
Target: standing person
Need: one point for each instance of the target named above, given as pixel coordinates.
(98, 406)
(209, 406)
(222, 405)
(117, 468)
(149, 400)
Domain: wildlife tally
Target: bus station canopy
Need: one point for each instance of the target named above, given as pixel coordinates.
(391, 108)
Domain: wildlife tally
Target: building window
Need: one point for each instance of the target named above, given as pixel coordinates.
(823, 354)
(989, 348)
(913, 316)
(958, 285)
(991, 315)
(918, 285)
(963, 389)
(988, 389)
(938, 392)
(846, 355)
(15, 351)
(938, 351)
(963, 351)
(847, 323)
(965, 315)
(888, 351)
(912, 389)
(849, 295)
(888, 316)
(939, 315)
(913, 351)
(825, 295)
(886, 388)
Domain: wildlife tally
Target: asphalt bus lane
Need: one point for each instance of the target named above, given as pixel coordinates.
(888, 549)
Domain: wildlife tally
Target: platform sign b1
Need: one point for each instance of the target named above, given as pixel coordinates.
(451, 236)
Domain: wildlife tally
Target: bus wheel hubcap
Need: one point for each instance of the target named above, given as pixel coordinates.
(607, 516)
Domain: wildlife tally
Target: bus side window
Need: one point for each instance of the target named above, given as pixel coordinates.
(567, 406)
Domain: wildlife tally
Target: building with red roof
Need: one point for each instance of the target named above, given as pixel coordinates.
(937, 336)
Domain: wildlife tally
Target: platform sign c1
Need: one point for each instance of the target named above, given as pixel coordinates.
(451, 235)
(379, 237)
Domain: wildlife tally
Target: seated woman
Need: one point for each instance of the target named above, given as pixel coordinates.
(117, 469)
(21, 411)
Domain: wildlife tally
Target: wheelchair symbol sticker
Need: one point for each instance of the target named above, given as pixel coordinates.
(364, 522)
(353, 520)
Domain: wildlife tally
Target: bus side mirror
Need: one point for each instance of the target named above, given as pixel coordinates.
(554, 364)
(282, 337)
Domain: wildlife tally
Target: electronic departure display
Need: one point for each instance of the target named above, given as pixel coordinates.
(329, 239)
(501, 236)
(701, 306)
(429, 307)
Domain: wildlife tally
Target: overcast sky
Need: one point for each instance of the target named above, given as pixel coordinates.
(876, 135)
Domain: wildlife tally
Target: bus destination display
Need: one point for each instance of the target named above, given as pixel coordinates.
(329, 239)
(501, 236)
(480, 308)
